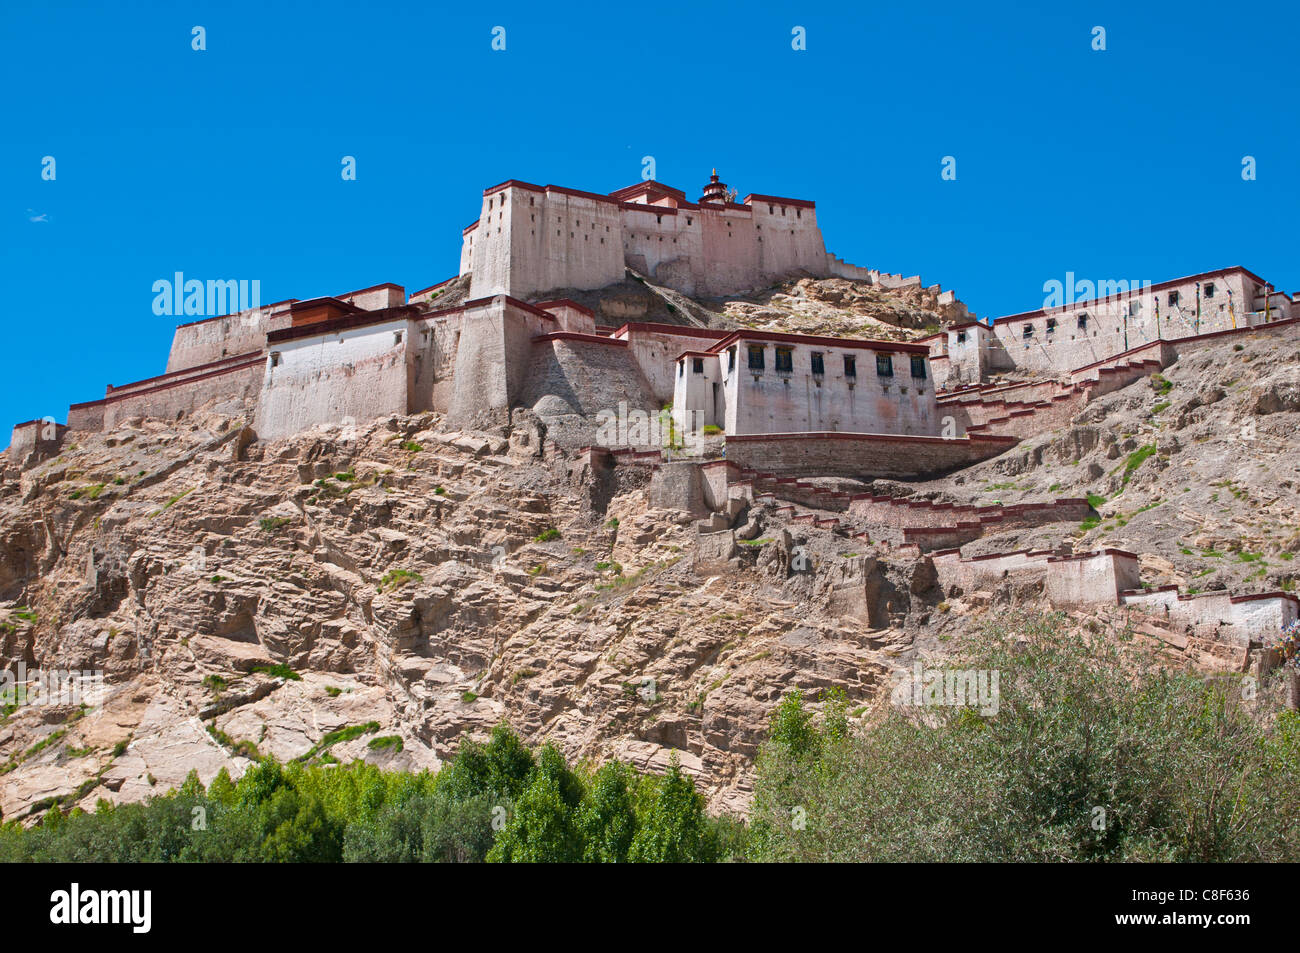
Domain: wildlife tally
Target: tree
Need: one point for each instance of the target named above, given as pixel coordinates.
(675, 828)
(541, 829)
(606, 819)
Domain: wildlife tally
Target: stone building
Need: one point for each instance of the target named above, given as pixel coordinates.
(763, 382)
(531, 240)
(1099, 320)
(507, 343)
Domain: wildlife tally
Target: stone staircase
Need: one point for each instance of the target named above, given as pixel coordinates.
(1029, 408)
(922, 523)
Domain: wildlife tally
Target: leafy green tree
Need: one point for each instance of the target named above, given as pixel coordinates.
(792, 727)
(259, 782)
(541, 829)
(501, 767)
(222, 789)
(298, 830)
(674, 829)
(552, 764)
(606, 819)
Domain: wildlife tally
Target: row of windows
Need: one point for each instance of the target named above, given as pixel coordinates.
(1082, 322)
(1207, 291)
(785, 362)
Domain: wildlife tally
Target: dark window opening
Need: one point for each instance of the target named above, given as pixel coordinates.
(1209, 290)
(918, 367)
(818, 364)
(884, 365)
(1083, 321)
(697, 365)
(850, 366)
(784, 359)
(1029, 331)
(1051, 325)
(1173, 297)
(731, 359)
(961, 337)
(755, 357)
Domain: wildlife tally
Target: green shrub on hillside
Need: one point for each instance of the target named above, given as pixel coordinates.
(1094, 753)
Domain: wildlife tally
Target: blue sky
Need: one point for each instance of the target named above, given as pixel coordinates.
(226, 163)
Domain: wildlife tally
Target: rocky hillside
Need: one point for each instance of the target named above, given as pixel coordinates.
(836, 306)
(842, 308)
(378, 593)
(1195, 468)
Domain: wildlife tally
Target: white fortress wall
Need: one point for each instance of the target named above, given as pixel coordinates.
(730, 251)
(1254, 616)
(656, 347)
(698, 398)
(494, 355)
(787, 237)
(435, 338)
(666, 244)
(209, 340)
(771, 401)
(1116, 320)
(531, 239)
(326, 377)
(1090, 577)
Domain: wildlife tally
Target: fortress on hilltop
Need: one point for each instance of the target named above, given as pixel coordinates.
(724, 418)
(500, 338)
(530, 240)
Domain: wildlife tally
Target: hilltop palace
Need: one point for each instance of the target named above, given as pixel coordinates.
(515, 341)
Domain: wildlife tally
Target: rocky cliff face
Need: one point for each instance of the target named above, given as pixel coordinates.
(379, 593)
(428, 581)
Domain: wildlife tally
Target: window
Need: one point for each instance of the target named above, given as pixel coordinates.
(961, 337)
(697, 365)
(884, 365)
(784, 359)
(818, 364)
(1051, 325)
(275, 358)
(755, 357)
(397, 337)
(850, 366)
(681, 368)
(1173, 297)
(1209, 289)
(1083, 321)
(918, 367)
(731, 359)
(1028, 331)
